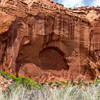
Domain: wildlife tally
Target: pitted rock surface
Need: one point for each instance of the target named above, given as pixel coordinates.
(44, 41)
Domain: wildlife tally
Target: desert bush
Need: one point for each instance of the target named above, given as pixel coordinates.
(92, 92)
(17, 81)
(26, 89)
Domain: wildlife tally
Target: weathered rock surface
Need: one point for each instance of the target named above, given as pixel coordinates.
(45, 41)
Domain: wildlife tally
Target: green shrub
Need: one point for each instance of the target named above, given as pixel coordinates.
(17, 81)
(50, 83)
(64, 83)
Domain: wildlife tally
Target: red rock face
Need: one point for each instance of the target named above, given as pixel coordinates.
(46, 42)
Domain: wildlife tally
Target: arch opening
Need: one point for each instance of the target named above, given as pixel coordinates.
(52, 58)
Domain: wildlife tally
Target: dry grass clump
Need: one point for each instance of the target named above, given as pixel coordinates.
(26, 89)
(92, 92)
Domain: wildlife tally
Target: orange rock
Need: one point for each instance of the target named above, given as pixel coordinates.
(46, 42)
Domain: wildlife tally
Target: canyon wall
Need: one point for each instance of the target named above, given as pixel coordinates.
(47, 42)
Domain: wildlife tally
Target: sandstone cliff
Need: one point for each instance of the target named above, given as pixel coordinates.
(45, 41)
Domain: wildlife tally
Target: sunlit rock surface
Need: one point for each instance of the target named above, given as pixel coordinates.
(44, 41)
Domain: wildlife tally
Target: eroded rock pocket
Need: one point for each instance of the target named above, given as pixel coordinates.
(52, 58)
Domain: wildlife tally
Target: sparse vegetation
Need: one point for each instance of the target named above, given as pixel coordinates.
(26, 89)
(92, 92)
(17, 81)
(69, 8)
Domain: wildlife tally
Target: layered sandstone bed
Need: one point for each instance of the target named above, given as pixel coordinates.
(47, 42)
